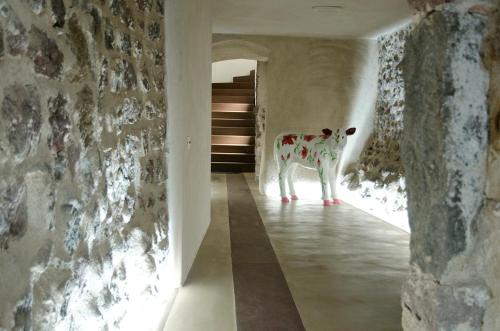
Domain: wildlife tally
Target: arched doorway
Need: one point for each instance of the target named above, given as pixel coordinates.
(233, 117)
(235, 49)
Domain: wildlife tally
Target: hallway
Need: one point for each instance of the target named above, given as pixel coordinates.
(343, 268)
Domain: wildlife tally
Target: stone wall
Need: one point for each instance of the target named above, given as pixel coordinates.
(260, 115)
(451, 71)
(378, 175)
(83, 220)
(380, 159)
(260, 129)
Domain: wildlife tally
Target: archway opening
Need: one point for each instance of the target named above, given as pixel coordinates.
(233, 116)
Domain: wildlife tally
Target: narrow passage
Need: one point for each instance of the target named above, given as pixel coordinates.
(268, 266)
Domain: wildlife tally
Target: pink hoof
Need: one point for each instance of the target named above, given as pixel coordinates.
(285, 200)
(337, 201)
(327, 203)
(294, 197)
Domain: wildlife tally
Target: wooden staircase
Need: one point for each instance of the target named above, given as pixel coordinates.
(233, 125)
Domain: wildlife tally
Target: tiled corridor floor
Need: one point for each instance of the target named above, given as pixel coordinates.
(343, 267)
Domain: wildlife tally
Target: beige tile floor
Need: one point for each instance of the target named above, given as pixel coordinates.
(206, 302)
(344, 267)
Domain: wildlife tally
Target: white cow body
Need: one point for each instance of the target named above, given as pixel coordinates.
(320, 152)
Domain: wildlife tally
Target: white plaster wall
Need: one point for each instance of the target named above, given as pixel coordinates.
(224, 71)
(313, 84)
(188, 56)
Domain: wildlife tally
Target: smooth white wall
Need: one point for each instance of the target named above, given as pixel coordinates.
(224, 71)
(188, 57)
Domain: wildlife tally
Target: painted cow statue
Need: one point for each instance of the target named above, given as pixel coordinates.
(320, 152)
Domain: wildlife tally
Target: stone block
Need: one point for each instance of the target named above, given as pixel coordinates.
(429, 305)
(160, 7)
(125, 43)
(145, 79)
(137, 49)
(103, 77)
(115, 7)
(127, 16)
(59, 121)
(151, 111)
(123, 76)
(129, 111)
(85, 106)
(46, 56)
(16, 38)
(13, 211)
(144, 5)
(60, 124)
(58, 13)
(79, 45)
(154, 31)
(158, 57)
(425, 5)
(1, 42)
(37, 6)
(96, 23)
(21, 114)
(74, 219)
(109, 38)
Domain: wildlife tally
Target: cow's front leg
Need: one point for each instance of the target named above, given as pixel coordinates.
(333, 184)
(291, 188)
(322, 172)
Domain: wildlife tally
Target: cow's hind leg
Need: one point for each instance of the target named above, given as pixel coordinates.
(291, 188)
(283, 169)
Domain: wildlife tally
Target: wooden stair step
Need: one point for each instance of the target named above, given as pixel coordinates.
(233, 115)
(249, 99)
(236, 91)
(240, 85)
(247, 107)
(233, 157)
(232, 140)
(234, 131)
(232, 167)
(232, 122)
(240, 79)
(233, 148)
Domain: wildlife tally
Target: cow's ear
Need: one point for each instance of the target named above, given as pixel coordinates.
(327, 132)
(350, 131)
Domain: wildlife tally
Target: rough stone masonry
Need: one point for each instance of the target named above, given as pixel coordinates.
(379, 175)
(451, 70)
(83, 218)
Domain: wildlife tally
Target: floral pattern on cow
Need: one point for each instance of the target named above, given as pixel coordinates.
(321, 152)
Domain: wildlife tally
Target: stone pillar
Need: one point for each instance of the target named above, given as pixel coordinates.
(445, 150)
(260, 118)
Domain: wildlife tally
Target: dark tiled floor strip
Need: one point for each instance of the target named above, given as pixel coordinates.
(263, 299)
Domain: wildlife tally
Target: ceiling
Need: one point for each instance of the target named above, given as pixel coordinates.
(356, 18)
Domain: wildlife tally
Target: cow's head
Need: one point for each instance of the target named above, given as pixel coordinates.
(338, 139)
